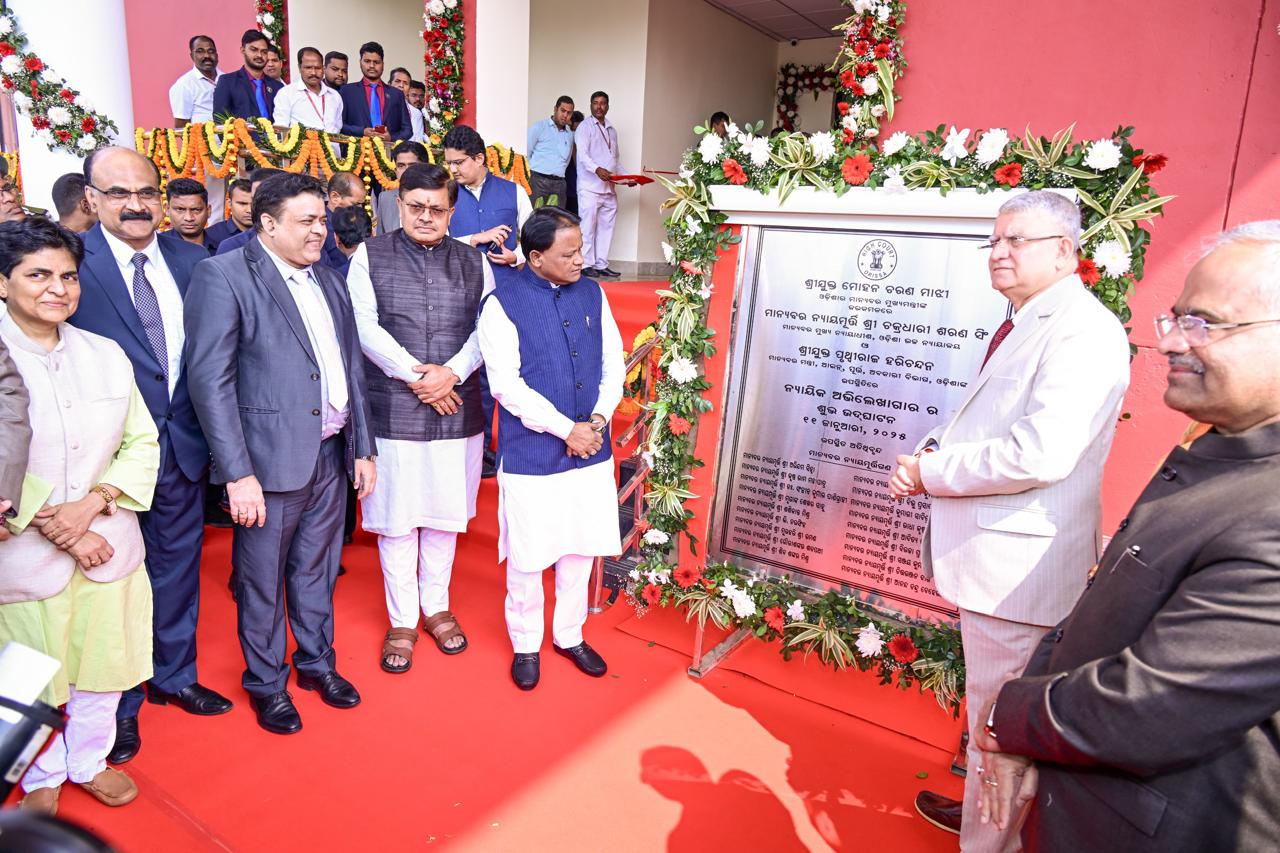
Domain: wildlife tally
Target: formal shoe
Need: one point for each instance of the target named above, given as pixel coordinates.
(194, 699)
(490, 466)
(342, 570)
(942, 812)
(276, 713)
(347, 538)
(42, 801)
(590, 273)
(610, 272)
(128, 741)
(333, 688)
(524, 671)
(587, 659)
(111, 787)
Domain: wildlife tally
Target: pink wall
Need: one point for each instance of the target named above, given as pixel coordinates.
(1177, 71)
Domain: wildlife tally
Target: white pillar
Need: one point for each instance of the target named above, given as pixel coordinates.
(502, 71)
(84, 42)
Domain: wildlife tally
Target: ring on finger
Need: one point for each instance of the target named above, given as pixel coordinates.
(987, 780)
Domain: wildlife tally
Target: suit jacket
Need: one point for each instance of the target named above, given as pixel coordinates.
(15, 429)
(255, 379)
(388, 212)
(220, 231)
(355, 111)
(106, 309)
(1017, 475)
(234, 96)
(1159, 695)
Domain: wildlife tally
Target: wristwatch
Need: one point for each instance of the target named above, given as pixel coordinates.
(990, 727)
(105, 493)
(603, 423)
(367, 458)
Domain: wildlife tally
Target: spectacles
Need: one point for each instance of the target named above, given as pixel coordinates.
(453, 164)
(119, 195)
(1015, 243)
(1195, 330)
(416, 210)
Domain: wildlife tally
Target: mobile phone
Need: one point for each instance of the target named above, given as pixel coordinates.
(382, 128)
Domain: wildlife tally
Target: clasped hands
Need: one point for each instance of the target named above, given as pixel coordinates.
(1009, 782)
(66, 525)
(435, 388)
(906, 480)
(583, 441)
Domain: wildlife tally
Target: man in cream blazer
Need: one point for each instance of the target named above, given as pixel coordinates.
(1015, 473)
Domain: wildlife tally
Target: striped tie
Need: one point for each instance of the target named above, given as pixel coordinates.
(1001, 333)
(148, 308)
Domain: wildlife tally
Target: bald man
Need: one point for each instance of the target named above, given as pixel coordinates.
(345, 189)
(132, 289)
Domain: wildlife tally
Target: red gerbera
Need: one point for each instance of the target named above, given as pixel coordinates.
(856, 169)
(686, 576)
(843, 108)
(857, 90)
(1150, 163)
(774, 619)
(64, 135)
(864, 68)
(39, 122)
(89, 125)
(68, 96)
(734, 172)
(678, 425)
(1009, 174)
(34, 64)
(882, 50)
(8, 84)
(848, 135)
(1088, 272)
(688, 267)
(863, 46)
(652, 593)
(7, 49)
(903, 649)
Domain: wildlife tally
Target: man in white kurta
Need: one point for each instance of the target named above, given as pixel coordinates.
(597, 147)
(416, 294)
(545, 335)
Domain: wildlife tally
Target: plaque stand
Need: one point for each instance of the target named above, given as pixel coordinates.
(704, 662)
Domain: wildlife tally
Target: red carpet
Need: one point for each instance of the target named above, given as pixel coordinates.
(452, 755)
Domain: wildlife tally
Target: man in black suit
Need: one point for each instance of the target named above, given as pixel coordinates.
(132, 286)
(278, 383)
(1159, 695)
(371, 107)
(247, 92)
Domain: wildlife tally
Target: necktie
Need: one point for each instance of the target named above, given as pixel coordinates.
(148, 308)
(260, 93)
(325, 338)
(1001, 333)
(375, 106)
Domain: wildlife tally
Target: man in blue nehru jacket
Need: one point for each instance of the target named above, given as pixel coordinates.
(488, 215)
(554, 359)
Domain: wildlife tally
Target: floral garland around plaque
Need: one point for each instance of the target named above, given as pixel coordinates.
(1110, 176)
(794, 81)
(273, 22)
(442, 35)
(60, 115)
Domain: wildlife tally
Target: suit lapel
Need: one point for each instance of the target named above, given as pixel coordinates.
(265, 271)
(102, 264)
(180, 270)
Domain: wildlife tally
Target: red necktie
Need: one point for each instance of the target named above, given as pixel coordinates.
(1001, 333)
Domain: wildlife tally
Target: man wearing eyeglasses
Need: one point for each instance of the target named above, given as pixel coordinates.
(1015, 473)
(416, 294)
(1159, 695)
(132, 291)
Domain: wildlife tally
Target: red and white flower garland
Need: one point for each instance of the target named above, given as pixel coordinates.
(273, 22)
(869, 61)
(794, 80)
(442, 35)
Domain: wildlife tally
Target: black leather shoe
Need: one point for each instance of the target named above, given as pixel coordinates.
(942, 812)
(610, 272)
(587, 659)
(128, 741)
(525, 671)
(490, 466)
(591, 272)
(276, 713)
(333, 688)
(194, 699)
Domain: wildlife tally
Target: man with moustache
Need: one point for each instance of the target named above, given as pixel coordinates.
(132, 288)
(596, 150)
(1158, 697)
(247, 92)
(277, 383)
(274, 68)
(1015, 473)
(335, 70)
(187, 207)
(191, 95)
(309, 102)
(401, 80)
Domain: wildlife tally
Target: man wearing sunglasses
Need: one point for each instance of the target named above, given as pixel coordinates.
(1016, 472)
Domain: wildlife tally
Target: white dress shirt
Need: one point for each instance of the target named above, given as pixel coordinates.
(524, 209)
(597, 147)
(191, 96)
(416, 119)
(167, 294)
(296, 104)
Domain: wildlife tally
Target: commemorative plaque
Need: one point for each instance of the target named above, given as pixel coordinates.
(848, 347)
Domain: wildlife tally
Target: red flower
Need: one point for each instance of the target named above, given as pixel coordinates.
(1150, 163)
(8, 84)
(709, 584)
(687, 266)
(678, 425)
(734, 172)
(856, 169)
(848, 135)
(1009, 174)
(903, 649)
(857, 90)
(882, 50)
(686, 576)
(864, 68)
(1088, 272)
(64, 135)
(862, 46)
(774, 619)
(846, 79)
(34, 64)
(68, 96)
(39, 122)
(89, 125)
(652, 593)
(7, 49)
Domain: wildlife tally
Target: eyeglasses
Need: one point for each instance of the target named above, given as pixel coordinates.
(1015, 242)
(416, 210)
(453, 164)
(1195, 330)
(119, 195)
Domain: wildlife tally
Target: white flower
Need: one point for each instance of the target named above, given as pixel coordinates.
(685, 173)
(682, 370)
(433, 105)
(647, 456)
(882, 14)
(11, 64)
(426, 23)
(21, 101)
(850, 121)
(435, 123)
(727, 589)
(877, 110)
(691, 226)
(634, 574)
(795, 611)
(654, 536)
(870, 642)
(893, 181)
(863, 6)
(6, 25)
(731, 131)
(59, 115)
(954, 149)
(668, 253)
(758, 150)
(894, 143)
(1112, 257)
(86, 143)
(268, 19)
(991, 146)
(436, 7)
(84, 104)
(705, 292)
(45, 135)
(871, 132)
(451, 4)
(871, 84)
(823, 146)
(1103, 154)
(743, 605)
(711, 148)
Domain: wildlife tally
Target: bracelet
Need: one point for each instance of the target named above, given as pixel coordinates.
(599, 429)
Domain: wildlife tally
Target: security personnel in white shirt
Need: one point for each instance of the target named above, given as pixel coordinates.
(191, 95)
(308, 101)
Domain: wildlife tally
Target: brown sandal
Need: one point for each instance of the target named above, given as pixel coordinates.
(399, 642)
(434, 625)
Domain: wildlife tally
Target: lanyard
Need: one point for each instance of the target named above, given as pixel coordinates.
(604, 133)
(319, 111)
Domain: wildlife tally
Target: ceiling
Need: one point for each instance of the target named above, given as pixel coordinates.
(785, 20)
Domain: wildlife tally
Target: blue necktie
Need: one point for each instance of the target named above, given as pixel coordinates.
(375, 108)
(148, 308)
(260, 94)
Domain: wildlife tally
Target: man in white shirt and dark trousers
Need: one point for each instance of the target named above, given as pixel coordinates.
(554, 359)
(191, 95)
(597, 155)
(308, 101)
